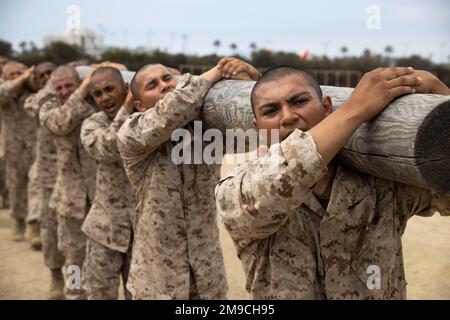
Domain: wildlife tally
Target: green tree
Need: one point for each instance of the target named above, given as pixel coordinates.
(263, 59)
(389, 50)
(23, 46)
(217, 45)
(61, 52)
(5, 48)
(233, 47)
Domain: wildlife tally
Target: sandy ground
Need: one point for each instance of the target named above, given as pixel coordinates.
(426, 249)
(22, 271)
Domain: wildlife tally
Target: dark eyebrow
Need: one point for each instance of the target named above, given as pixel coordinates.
(269, 105)
(302, 94)
(152, 81)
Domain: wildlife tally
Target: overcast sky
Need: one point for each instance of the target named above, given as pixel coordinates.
(420, 27)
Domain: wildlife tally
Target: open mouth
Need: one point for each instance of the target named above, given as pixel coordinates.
(109, 107)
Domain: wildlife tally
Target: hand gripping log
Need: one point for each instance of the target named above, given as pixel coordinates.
(409, 142)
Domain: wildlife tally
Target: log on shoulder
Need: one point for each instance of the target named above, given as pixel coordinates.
(408, 142)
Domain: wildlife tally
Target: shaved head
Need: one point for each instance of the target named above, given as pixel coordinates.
(42, 72)
(277, 73)
(13, 69)
(110, 71)
(44, 65)
(65, 81)
(13, 65)
(108, 90)
(65, 70)
(135, 84)
(150, 84)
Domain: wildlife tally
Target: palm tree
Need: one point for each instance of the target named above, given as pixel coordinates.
(233, 47)
(23, 46)
(253, 47)
(33, 46)
(344, 50)
(389, 50)
(217, 44)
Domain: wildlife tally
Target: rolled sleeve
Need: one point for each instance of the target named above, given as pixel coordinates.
(257, 196)
(63, 120)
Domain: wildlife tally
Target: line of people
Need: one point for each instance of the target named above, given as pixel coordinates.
(81, 194)
(90, 161)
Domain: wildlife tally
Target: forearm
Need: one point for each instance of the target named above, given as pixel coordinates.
(100, 145)
(63, 120)
(334, 131)
(31, 106)
(20, 81)
(100, 141)
(7, 92)
(257, 197)
(213, 75)
(146, 131)
(119, 120)
(438, 87)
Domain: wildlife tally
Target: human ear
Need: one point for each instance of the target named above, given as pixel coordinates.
(327, 105)
(138, 106)
(255, 124)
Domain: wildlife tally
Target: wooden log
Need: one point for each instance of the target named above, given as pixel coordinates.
(84, 70)
(408, 142)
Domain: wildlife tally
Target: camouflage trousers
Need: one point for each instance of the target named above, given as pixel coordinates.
(72, 244)
(34, 210)
(193, 292)
(103, 269)
(17, 180)
(53, 258)
(3, 185)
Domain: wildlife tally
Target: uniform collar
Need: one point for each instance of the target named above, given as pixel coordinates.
(349, 187)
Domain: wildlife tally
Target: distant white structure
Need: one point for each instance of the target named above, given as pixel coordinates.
(88, 40)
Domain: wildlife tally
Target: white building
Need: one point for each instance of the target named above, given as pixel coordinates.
(89, 41)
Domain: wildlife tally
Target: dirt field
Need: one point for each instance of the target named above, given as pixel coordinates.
(426, 249)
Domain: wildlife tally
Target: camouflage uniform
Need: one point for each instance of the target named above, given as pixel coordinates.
(18, 140)
(31, 107)
(291, 248)
(43, 176)
(3, 186)
(75, 182)
(33, 196)
(176, 251)
(109, 221)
